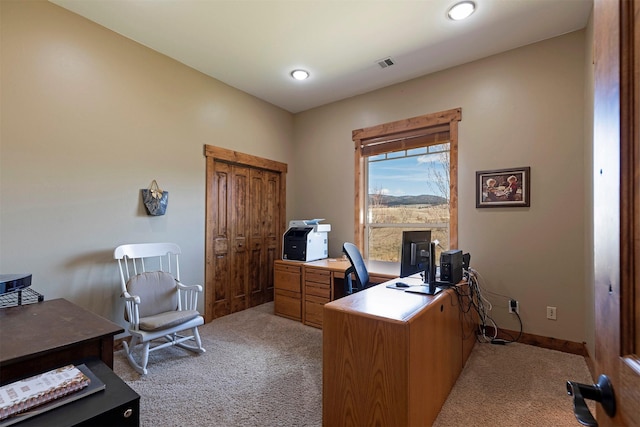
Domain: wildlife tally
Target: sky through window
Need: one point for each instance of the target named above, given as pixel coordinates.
(406, 176)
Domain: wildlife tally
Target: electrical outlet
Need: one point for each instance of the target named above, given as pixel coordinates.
(514, 307)
(551, 313)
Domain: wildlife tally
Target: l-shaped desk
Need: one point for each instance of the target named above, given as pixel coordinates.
(389, 357)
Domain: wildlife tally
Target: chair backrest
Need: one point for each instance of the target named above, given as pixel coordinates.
(357, 267)
(138, 258)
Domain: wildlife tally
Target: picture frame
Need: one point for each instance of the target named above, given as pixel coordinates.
(501, 188)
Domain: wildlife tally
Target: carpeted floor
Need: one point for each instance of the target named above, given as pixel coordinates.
(514, 385)
(264, 370)
(259, 370)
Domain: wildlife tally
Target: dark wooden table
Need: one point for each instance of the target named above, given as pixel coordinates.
(38, 337)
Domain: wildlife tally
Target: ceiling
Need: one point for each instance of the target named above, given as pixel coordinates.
(253, 45)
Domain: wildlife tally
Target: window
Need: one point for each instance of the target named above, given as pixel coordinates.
(389, 157)
(407, 190)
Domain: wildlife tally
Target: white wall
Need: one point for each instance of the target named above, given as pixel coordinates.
(524, 107)
(88, 119)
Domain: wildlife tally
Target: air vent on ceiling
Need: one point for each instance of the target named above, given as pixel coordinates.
(387, 62)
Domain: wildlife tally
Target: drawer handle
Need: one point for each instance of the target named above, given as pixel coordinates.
(128, 413)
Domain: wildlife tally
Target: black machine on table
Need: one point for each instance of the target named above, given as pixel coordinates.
(418, 256)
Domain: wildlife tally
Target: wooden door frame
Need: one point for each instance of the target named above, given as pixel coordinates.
(617, 244)
(629, 374)
(217, 154)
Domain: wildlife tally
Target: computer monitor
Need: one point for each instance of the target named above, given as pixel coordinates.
(414, 255)
(418, 256)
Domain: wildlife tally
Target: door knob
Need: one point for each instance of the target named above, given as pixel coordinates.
(601, 392)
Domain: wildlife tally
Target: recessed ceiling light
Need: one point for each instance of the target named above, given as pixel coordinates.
(461, 10)
(300, 74)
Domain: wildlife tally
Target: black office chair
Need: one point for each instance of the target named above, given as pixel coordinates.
(357, 268)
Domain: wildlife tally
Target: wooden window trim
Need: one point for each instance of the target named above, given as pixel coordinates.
(405, 134)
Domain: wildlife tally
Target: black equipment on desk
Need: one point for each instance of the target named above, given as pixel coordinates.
(295, 244)
(14, 282)
(451, 266)
(305, 240)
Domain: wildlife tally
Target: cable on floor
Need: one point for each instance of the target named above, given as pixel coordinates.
(474, 303)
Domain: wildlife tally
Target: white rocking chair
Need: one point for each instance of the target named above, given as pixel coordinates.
(157, 305)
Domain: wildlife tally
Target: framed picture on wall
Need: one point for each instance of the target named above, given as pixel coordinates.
(502, 188)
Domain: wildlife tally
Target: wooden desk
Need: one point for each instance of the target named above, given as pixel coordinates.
(391, 358)
(38, 337)
(302, 288)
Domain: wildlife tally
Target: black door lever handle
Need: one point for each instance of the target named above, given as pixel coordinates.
(601, 392)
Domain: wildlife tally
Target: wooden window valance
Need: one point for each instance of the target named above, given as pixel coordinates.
(406, 134)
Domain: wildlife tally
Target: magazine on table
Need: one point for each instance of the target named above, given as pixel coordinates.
(40, 393)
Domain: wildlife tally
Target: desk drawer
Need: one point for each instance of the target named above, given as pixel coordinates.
(317, 276)
(317, 299)
(314, 289)
(288, 304)
(313, 313)
(123, 416)
(289, 266)
(286, 278)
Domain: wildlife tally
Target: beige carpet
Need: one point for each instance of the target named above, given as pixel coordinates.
(514, 385)
(264, 370)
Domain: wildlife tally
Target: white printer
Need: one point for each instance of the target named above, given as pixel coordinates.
(306, 240)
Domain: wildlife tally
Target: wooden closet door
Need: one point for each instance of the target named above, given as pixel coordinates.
(263, 239)
(245, 223)
(231, 183)
(217, 296)
(272, 234)
(247, 237)
(256, 243)
(241, 257)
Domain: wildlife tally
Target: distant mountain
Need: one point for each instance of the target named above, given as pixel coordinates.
(423, 199)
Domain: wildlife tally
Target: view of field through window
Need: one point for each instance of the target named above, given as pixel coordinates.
(408, 190)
